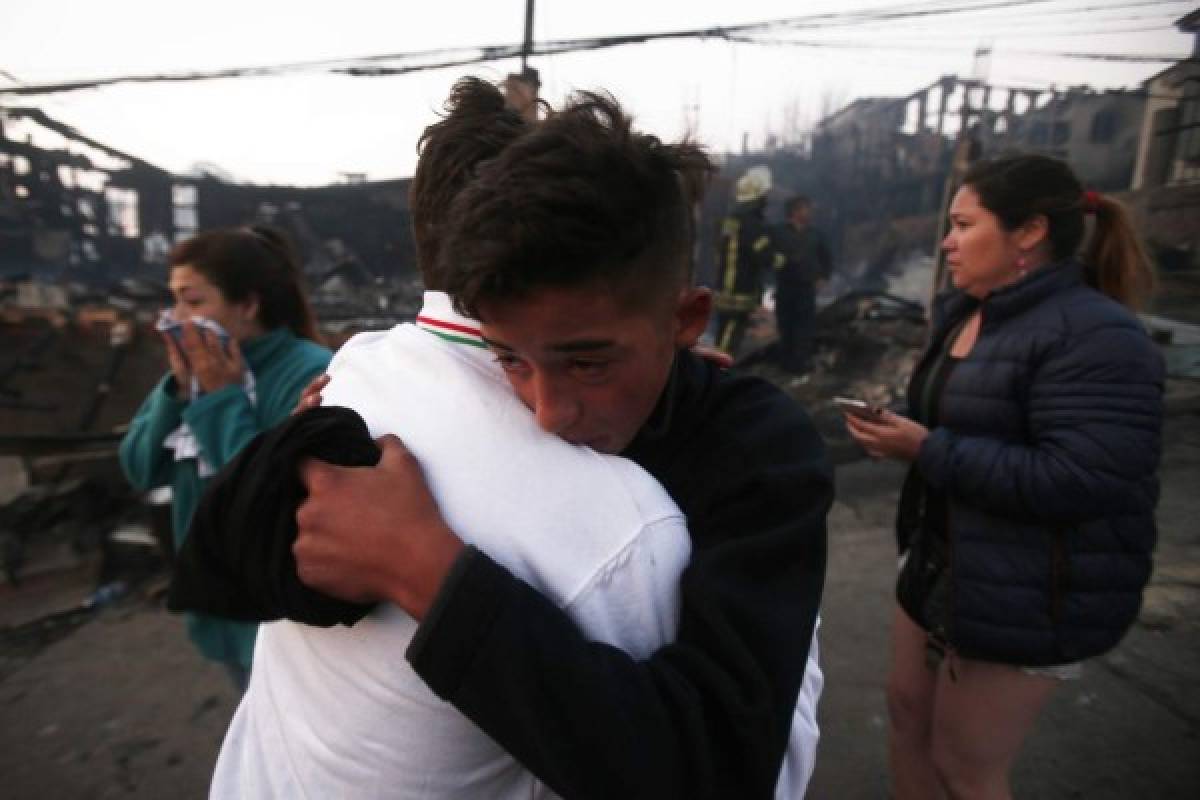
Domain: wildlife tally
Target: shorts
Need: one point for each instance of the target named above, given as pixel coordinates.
(1061, 672)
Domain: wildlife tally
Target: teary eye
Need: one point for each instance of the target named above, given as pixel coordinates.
(590, 368)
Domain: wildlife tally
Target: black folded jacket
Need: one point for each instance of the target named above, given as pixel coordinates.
(237, 561)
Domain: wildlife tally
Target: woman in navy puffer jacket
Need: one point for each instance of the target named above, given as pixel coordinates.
(1026, 524)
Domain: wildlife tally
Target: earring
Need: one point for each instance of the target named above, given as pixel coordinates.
(1022, 268)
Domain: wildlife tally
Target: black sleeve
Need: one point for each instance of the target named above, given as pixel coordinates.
(237, 560)
(705, 716)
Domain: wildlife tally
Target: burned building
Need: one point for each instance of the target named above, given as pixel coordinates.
(879, 167)
(1169, 154)
(80, 204)
(360, 222)
(874, 166)
(906, 143)
(1096, 132)
(81, 208)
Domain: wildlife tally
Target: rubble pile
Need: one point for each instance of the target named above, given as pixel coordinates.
(867, 345)
(68, 548)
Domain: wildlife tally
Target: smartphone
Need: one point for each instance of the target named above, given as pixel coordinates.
(859, 408)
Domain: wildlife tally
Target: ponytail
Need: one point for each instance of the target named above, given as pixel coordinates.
(1018, 186)
(285, 302)
(1115, 259)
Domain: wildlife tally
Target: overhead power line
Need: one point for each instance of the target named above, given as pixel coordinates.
(1135, 58)
(1041, 21)
(749, 33)
(481, 54)
(917, 40)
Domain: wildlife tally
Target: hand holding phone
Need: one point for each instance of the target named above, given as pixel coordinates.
(883, 434)
(859, 408)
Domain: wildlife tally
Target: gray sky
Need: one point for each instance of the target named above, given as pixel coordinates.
(307, 128)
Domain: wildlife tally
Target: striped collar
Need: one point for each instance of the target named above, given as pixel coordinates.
(439, 318)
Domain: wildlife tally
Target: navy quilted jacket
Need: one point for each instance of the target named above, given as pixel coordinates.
(1047, 450)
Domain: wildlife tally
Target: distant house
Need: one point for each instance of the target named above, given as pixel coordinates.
(1169, 154)
(1097, 133)
(863, 134)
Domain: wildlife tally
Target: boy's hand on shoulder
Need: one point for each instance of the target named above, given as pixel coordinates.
(312, 395)
(712, 354)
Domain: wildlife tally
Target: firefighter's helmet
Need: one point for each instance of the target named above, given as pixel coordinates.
(754, 184)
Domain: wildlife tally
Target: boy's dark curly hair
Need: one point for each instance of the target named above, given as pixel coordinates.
(579, 198)
(476, 126)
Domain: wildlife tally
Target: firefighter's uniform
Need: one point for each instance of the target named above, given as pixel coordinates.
(745, 253)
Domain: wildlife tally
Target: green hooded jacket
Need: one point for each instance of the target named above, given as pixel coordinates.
(223, 422)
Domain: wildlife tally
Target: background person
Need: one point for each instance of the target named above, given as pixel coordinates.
(1027, 517)
(217, 397)
(807, 264)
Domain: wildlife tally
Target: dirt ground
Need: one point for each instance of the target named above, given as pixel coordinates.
(120, 706)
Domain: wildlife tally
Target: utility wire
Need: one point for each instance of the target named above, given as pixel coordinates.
(1023, 32)
(997, 24)
(454, 57)
(1135, 58)
(908, 13)
(958, 28)
(481, 54)
(958, 25)
(1026, 33)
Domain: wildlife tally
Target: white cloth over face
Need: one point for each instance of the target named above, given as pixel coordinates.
(338, 712)
(182, 441)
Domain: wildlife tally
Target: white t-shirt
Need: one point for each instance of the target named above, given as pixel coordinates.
(339, 712)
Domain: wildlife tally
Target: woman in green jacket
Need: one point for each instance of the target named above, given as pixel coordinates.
(225, 384)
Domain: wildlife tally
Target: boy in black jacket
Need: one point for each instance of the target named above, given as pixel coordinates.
(572, 248)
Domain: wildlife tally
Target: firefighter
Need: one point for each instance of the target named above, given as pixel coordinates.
(745, 253)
